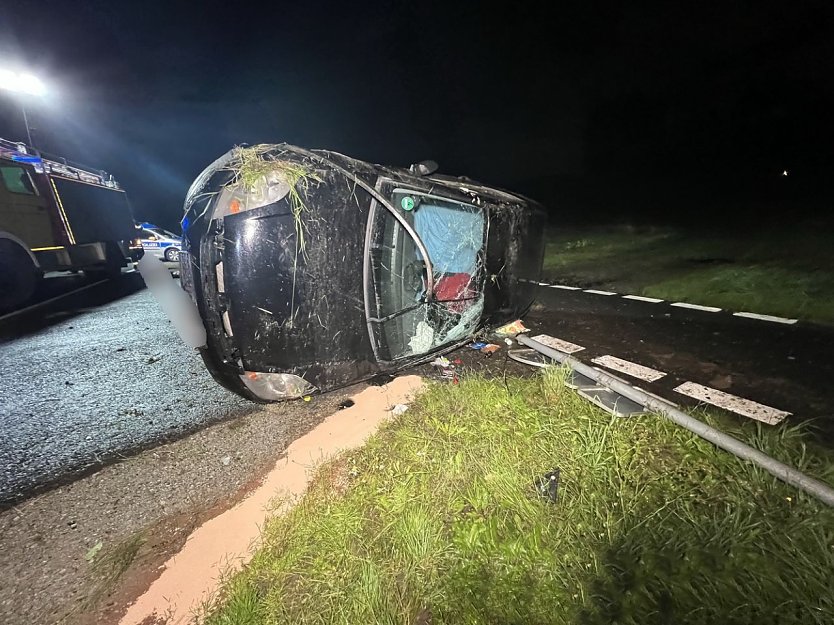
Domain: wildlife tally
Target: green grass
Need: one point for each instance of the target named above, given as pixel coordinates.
(753, 288)
(436, 520)
(782, 273)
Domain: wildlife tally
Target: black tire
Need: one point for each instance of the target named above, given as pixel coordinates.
(19, 276)
(172, 255)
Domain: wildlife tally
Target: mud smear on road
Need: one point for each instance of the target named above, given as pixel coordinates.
(224, 543)
(156, 546)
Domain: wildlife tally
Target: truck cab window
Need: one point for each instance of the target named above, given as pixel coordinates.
(17, 180)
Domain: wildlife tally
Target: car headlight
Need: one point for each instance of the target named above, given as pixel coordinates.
(277, 386)
(237, 198)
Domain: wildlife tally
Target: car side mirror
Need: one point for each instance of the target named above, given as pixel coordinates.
(423, 168)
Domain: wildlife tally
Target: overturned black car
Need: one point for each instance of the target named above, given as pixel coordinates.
(312, 270)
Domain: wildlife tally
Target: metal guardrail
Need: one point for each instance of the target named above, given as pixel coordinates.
(816, 488)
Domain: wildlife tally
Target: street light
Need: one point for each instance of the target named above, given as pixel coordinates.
(26, 85)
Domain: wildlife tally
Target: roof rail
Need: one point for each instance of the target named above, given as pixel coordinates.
(44, 162)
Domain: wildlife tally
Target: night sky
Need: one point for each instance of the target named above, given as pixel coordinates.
(602, 112)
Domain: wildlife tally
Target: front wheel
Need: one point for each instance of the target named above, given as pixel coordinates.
(19, 276)
(172, 255)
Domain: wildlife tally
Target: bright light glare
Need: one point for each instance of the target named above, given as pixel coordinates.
(21, 82)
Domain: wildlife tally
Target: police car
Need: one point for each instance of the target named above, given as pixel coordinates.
(160, 242)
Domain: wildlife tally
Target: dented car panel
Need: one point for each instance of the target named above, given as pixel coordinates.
(312, 270)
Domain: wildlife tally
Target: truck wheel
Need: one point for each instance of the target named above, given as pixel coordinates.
(19, 276)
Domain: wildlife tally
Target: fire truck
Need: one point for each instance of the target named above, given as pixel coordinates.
(58, 216)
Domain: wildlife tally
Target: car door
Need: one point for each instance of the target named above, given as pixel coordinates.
(424, 276)
(25, 211)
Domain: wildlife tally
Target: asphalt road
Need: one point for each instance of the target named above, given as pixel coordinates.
(100, 374)
(92, 377)
(788, 367)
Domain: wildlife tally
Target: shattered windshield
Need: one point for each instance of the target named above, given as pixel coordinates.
(406, 323)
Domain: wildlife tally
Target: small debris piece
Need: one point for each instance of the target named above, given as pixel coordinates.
(307, 398)
(399, 409)
(380, 380)
(121, 349)
(478, 346)
(154, 359)
(511, 329)
(68, 383)
(72, 524)
(548, 485)
(346, 404)
(93, 551)
(490, 349)
(441, 361)
(226, 460)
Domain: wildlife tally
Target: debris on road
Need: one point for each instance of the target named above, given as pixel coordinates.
(399, 409)
(93, 552)
(547, 486)
(485, 348)
(511, 329)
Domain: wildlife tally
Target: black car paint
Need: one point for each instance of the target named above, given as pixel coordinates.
(304, 312)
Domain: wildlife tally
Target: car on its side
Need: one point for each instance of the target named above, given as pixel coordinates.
(160, 242)
(311, 270)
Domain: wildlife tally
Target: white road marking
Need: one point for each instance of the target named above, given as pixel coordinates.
(640, 298)
(650, 394)
(696, 307)
(616, 377)
(543, 283)
(559, 344)
(629, 368)
(595, 292)
(50, 300)
(739, 405)
(750, 315)
(565, 287)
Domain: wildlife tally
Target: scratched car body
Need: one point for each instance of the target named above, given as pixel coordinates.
(312, 270)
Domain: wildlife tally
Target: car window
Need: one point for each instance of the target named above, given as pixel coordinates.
(17, 180)
(406, 323)
(147, 234)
